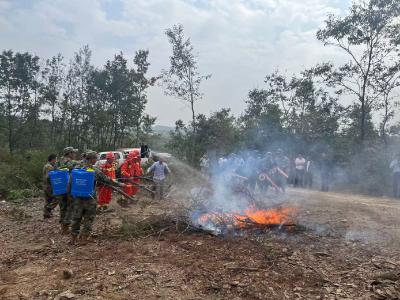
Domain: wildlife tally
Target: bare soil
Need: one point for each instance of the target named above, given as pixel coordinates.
(348, 250)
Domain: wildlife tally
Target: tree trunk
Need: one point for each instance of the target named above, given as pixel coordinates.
(363, 113)
(10, 125)
(385, 120)
(52, 124)
(194, 131)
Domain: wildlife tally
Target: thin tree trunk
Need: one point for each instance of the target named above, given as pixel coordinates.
(385, 120)
(10, 125)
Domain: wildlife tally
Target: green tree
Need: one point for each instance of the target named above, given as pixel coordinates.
(370, 36)
(77, 107)
(183, 79)
(18, 82)
(218, 132)
(52, 83)
(143, 122)
(262, 122)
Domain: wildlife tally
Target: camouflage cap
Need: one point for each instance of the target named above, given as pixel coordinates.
(68, 150)
(91, 154)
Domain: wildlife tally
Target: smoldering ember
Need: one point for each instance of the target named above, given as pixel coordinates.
(250, 151)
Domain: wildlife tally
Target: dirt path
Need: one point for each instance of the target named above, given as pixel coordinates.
(349, 251)
(375, 221)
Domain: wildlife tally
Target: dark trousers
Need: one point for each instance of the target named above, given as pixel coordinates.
(50, 204)
(251, 184)
(308, 179)
(66, 207)
(299, 179)
(396, 184)
(325, 182)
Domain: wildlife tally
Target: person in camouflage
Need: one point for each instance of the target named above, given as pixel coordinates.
(84, 211)
(50, 201)
(65, 201)
(283, 163)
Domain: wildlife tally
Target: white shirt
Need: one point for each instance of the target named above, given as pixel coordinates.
(395, 166)
(300, 163)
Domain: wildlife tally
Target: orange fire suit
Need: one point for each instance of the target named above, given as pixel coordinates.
(129, 170)
(138, 171)
(105, 192)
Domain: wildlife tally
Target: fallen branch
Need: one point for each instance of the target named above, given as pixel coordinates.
(244, 269)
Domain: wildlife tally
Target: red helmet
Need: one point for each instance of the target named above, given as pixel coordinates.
(137, 153)
(110, 155)
(131, 155)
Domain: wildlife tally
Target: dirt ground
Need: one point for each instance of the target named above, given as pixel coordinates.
(348, 249)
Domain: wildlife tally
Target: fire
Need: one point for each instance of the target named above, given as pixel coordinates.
(275, 216)
(251, 217)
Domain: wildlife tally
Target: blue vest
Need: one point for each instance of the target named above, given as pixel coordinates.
(59, 181)
(82, 183)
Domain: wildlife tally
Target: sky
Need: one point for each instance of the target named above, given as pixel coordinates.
(238, 42)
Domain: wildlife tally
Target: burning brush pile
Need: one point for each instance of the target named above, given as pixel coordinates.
(229, 207)
(220, 222)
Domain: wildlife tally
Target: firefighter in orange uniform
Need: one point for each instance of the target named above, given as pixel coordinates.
(127, 171)
(138, 171)
(130, 169)
(105, 193)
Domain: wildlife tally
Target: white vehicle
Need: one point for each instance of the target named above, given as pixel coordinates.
(126, 151)
(119, 157)
(164, 155)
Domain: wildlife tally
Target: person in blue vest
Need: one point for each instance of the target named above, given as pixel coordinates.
(84, 209)
(68, 161)
(50, 201)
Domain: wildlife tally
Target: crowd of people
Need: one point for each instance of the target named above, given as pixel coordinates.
(77, 213)
(271, 170)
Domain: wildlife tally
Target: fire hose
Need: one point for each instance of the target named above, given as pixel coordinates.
(137, 177)
(119, 191)
(137, 184)
(282, 173)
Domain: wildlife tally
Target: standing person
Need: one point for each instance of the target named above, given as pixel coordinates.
(292, 170)
(137, 172)
(128, 171)
(308, 175)
(159, 169)
(395, 166)
(65, 201)
(147, 151)
(222, 164)
(142, 150)
(50, 201)
(84, 212)
(105, 192)
(325, 170)
(250, 171)
(283, 163)
(204, 164)
(300, 165)
(265, 167)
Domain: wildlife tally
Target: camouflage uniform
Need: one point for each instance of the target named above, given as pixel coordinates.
(65, 201)
(284, 164)
(50, 201)
(84, 211)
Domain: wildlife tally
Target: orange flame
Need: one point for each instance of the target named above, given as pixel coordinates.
(275, 216)
(251, 217)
